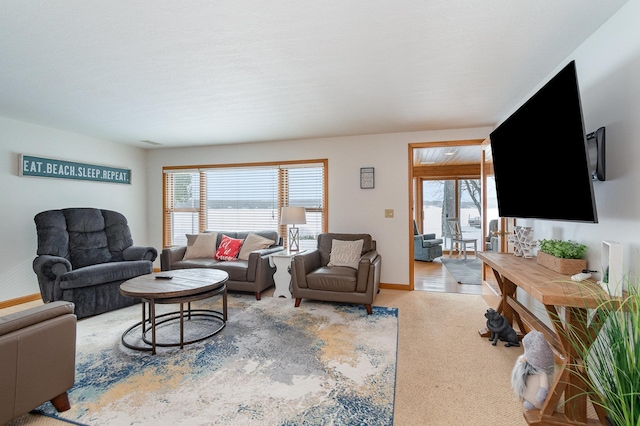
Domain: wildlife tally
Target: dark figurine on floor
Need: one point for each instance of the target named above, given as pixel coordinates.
(500, 329)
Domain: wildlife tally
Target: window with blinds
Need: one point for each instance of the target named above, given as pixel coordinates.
(244, 198)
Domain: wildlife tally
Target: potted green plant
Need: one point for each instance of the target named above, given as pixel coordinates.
(564, 257)
(611, 357)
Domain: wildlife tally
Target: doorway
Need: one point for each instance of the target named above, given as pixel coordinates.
(444, 199)
(446, 181)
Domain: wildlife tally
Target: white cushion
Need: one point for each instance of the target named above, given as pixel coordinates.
(204, 246)
(253, 242)
(345, 253)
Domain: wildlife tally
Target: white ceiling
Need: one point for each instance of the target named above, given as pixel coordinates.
(447, 156)
(186, 73)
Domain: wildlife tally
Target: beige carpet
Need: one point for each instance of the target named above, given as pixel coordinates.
(447, 374)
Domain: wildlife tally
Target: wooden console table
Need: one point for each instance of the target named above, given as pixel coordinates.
(554, 291)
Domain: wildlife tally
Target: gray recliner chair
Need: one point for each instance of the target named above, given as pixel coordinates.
(37, 359)
(426, 247)
(313, 278)
(84, 254)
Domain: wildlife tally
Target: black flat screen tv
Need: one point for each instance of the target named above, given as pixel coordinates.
(540, 156)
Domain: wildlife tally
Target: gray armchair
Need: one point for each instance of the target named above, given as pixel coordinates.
(426, 247)
(491, 240)
(312, 276)
(84, 254)
(37, 359)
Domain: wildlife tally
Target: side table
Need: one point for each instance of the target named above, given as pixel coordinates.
(281, 260)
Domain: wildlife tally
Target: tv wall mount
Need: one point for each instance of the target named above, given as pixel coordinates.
(595, 150)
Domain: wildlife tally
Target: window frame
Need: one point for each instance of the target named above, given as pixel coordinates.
(282, 190)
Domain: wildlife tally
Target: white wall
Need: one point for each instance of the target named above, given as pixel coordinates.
(24, 197)
(608, 68)
(608, 65)
(351, 209)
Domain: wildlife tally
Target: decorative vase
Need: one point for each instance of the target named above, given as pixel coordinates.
(562, 266)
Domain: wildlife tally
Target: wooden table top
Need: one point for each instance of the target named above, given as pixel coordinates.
(546, 286)
(185, 282)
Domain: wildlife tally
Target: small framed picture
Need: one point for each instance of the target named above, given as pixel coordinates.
(367, 178)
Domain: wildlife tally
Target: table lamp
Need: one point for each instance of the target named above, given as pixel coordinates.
(293, 216)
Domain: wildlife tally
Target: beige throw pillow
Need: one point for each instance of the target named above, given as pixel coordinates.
(253, 242)
(203, 246)
(345, 253)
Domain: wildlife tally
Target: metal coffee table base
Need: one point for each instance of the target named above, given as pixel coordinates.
(150, 324)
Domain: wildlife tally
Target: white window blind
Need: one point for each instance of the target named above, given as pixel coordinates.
(182, 206)
(244, 198)
(304, 191)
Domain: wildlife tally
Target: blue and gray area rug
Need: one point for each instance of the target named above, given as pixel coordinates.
(273, 364)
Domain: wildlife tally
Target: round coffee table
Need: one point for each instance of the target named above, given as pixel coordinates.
(183, 286)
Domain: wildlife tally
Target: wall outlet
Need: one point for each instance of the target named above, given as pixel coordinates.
(388, 213)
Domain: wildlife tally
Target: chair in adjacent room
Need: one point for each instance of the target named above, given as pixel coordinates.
(84, 254)
(37, 358)
(491, 240)
(426, 247)
(454, 232)
(343, 268)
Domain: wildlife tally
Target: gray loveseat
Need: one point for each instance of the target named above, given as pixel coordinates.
(84, 254)
(251, 275)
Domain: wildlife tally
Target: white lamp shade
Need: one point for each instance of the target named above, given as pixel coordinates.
(293, 216)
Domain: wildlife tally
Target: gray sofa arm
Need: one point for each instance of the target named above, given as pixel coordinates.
(139, 253)
(171, 255)
(426, 240)
(49, 270)
(51, 267)
(366, 260)
(424, 237)
(302, 264)
(258, 269)
(263, 254)
(23, 319)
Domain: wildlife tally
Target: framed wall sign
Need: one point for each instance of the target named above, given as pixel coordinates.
(53, 168)
(367, 178)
